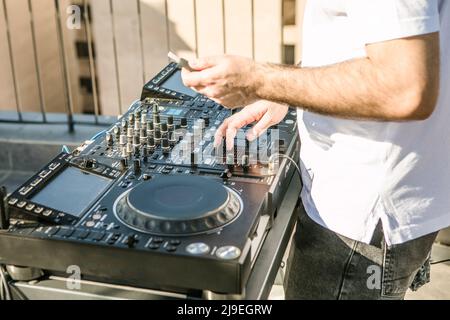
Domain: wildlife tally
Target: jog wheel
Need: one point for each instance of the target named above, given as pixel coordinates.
(178, 206)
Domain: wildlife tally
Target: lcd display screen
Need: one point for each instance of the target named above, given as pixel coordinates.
(175, 83)
(72, 191)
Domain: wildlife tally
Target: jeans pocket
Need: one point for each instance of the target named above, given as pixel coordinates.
(401, 264)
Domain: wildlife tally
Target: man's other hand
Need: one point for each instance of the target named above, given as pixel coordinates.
(265, 113)
(228, 80)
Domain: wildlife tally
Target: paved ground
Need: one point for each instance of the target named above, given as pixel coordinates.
(437, 289)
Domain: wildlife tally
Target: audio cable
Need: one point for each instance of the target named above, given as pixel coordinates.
(274, 157)
(440, 261)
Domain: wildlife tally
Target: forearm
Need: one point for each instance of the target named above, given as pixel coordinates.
(355, 89)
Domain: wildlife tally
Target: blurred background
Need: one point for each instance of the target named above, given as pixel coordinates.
(93, 56)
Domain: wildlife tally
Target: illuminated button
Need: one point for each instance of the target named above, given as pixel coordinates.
(13, 201)
(25, 190)
(54, 166)
(198, 248)
(44, 174)
(47, 213)
(30, 207)
(36, 182)
(21, 204)
(228, 253)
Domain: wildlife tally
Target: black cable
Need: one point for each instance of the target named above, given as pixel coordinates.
(439, 262)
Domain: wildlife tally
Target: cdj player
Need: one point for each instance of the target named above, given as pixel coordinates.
(151, 202)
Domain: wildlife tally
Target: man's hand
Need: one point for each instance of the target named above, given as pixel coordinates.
(228, 80)
(265, 113)
(397, 81)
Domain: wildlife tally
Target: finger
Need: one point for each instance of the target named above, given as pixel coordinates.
(220, 133)
(239, 121)
(235, 122)
(204, 63)
(212, 92)
(197, 79)
(231, 134)
(263, 124)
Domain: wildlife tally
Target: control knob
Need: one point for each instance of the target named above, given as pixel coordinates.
(116, 132)
(170, 122)
(157, 120)
(151, 144)
(137, 166)
(165, 146)
(109, 140)
(184, 122)
(158, 136)
(131, 119)
(164, 129)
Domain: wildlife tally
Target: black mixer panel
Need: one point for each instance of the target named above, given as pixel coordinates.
(151, 202)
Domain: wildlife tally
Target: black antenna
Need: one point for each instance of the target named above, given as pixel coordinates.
(4, 216)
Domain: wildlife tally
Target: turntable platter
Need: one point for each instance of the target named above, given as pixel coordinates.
(178, 205)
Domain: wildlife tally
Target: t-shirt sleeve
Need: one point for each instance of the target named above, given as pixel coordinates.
(383, 20)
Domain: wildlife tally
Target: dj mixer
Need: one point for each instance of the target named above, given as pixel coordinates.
(151, 202)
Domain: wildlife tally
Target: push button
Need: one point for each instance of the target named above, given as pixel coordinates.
(54, 166)
(25, 191)
(21, 204)
(38, 210)
(153, 246)
(36, 182)
(66, 232)
(44, 174)
(81, 234)
(47, 213)
(13, 201)
(175, 242)
(97, 236)
(171, 248)
(53, 231)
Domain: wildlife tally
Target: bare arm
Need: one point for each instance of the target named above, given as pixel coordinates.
(398, 81)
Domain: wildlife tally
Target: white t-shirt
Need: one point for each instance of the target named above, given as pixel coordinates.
(358, 172)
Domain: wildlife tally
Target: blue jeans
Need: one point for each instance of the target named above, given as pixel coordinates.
(325, 265)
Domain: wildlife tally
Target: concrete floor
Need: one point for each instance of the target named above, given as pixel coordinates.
(437, 289)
